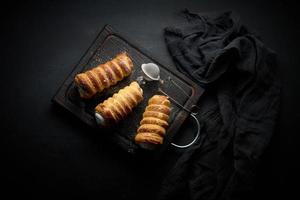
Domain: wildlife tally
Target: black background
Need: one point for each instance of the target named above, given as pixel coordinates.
(47, 152)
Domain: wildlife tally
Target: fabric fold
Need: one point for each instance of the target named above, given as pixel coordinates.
(239, 108)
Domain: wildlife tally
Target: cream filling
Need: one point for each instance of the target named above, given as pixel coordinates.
(100, 119)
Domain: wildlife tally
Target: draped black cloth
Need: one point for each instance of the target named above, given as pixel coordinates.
(238, 110)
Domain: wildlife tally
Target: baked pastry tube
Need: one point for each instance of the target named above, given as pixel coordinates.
(103, 76)
(154, 123)
(119, 105)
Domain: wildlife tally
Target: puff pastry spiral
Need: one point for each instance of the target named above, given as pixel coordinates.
(103, 76)
(155, 121)
(120, 104)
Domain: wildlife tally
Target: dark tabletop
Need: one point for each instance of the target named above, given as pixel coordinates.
(48, 152)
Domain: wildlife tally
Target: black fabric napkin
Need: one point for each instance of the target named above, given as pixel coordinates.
(238, 110)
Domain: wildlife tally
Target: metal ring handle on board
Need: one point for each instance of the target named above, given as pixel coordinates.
(196, 137)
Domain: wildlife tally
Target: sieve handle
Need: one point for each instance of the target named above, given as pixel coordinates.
(178, 104)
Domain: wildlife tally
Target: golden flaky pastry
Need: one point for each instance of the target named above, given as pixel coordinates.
(153, 126)
(120, 104)
(103, 76)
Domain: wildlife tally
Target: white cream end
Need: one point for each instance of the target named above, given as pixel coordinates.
(100, 119)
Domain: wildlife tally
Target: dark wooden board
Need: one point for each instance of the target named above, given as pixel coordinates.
(105, 47)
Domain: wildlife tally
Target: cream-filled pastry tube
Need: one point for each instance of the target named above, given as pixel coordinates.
(154, 123)
(118, 106)
(103, 76)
